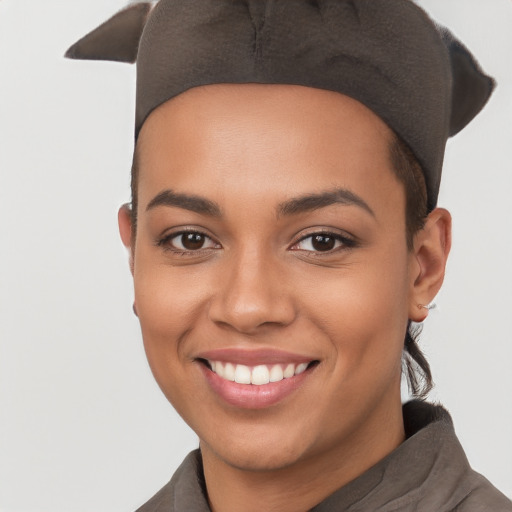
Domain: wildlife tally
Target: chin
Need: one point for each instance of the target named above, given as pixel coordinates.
(258, 459)
(261, 449)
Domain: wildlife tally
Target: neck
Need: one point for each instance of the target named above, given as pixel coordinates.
(307, 482)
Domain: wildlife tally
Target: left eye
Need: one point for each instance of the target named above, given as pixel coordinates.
(320, 242)
(190, 241)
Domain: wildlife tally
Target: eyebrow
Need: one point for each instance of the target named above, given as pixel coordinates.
(192, 203)
(311, 202)
(293, 206)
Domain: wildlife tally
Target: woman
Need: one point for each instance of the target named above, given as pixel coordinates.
(284, 237)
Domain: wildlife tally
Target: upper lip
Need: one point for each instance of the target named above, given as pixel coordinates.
(254, 357)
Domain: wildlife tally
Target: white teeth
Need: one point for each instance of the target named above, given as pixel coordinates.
(301, 368)
(258, 375)
(219, 369)
(289, 371)
(229, 372)
(242, 374)
(276, 373)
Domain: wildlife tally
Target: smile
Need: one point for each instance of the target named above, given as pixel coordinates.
(255, 379)
(258, 375)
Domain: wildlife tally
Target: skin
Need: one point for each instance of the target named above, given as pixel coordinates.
(259, 283)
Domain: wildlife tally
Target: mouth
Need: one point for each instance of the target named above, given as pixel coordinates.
(258, 375)
(252, 382)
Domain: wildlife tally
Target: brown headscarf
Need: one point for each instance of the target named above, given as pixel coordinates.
(387, 54)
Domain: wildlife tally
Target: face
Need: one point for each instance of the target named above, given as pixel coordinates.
(271, 249)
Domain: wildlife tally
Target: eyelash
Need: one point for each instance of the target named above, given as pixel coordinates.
(166, 242)
(344, 242)
(341, 242)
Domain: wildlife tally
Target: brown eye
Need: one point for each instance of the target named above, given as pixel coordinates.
(192, 241)
(188, 241)
(323, 242)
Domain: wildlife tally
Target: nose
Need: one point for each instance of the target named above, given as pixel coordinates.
(252, 292)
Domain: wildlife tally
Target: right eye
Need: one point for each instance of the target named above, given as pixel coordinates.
(188, 241)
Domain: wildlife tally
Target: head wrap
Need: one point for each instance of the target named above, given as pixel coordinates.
(387, 54)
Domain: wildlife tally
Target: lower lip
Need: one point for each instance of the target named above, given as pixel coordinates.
(251, 396)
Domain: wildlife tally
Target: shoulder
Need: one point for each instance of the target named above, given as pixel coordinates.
(161, 501)
(482, 497)
(185, 491)
(441, 478)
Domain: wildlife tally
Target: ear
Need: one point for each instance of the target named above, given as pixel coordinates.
(124, 219)
(117, 38)
(428, 262)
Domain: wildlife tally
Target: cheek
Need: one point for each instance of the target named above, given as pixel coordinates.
(168, 295)
(166, 299)
(169, 303)
(363, 311)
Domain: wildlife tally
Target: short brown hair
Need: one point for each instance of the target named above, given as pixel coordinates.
(408, 170)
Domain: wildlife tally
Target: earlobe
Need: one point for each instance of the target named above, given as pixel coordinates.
(124, 219)
(431, 248)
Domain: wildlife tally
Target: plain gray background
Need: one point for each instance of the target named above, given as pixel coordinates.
(83, 426)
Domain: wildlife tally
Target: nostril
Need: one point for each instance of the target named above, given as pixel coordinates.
(250, 316)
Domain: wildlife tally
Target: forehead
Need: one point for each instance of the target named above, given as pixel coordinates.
(264, 138)
(265, 103)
